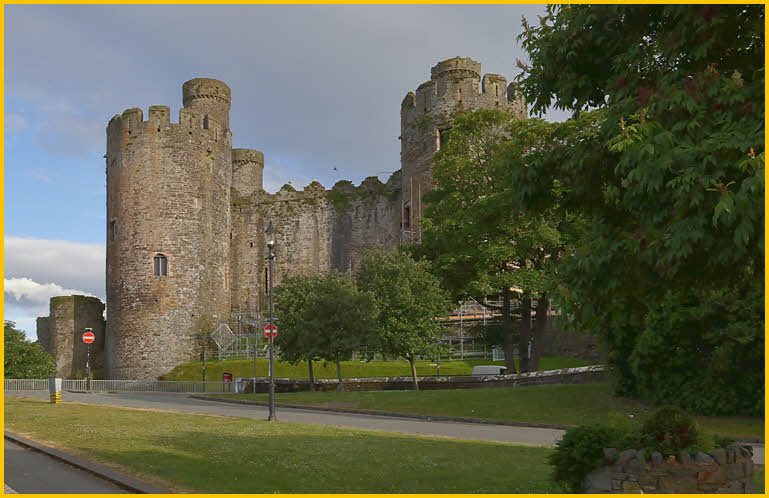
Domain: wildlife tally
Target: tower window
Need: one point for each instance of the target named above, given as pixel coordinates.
(407, 217)
(112, 230)
(205, 122)
(161, 266)
(250, 244)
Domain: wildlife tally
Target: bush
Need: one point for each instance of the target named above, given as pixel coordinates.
(669, 431)
(580, 450)
(24, 359)
(703, 351)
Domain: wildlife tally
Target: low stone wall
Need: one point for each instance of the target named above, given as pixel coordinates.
(727, 470)
(578, 375)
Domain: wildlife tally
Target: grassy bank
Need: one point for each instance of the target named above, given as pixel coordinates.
(556, 404)
(210, 454)
(350, 369)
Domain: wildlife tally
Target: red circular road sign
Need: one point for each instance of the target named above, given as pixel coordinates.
(88, 337)
(267, 330)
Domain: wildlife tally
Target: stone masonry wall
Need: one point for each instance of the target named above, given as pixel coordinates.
(727, 470)
(317, 230)
(168, 194)
(453, 88)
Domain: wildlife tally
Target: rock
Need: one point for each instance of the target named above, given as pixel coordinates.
(719, 456)
(631, 487)
(702, 458)
(657, 460)
(626, 456)
(684, 458)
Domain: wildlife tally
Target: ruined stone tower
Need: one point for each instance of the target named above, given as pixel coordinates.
(61, 333)
(453, 88)
(168, 229)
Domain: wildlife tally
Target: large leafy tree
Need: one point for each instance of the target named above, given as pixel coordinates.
(478, 243)
(324, 317)
(409, 302)
(24, 359)
(671, 184)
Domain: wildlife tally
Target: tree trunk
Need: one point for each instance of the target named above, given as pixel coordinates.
(413, 362)
(507, 332)
(340, 387)
(524, 335)
(312, 377)
(543, 304)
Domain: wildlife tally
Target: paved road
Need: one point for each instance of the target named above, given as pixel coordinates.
(28, 471)
(182, 403)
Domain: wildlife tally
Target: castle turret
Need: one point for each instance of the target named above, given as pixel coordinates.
(247, 169)
(453, 88)
(208, 98)
(168, 230)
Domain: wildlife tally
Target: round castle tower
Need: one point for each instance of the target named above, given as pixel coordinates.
(168, 231)
(453, 88)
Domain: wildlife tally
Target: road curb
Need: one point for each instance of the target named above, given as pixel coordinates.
(116, 478)
(431, 418)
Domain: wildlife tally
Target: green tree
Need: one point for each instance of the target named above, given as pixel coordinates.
(409, 301)
(24, 359)
(296, 341)
(671, 185)
(478, 243)
(324, 317)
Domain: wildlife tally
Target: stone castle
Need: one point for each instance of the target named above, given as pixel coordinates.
(186, 215)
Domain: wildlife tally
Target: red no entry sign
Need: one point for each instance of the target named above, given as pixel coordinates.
(88, 337)
(267, 332)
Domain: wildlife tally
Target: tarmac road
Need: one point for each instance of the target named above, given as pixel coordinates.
(28, 471)
(530, 436)
(182, 403)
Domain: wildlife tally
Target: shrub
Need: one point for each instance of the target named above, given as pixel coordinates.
(670, 430)
(580, 450)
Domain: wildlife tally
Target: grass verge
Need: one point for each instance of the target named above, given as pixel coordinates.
(350, 369)
(556, 404)
(211, 454)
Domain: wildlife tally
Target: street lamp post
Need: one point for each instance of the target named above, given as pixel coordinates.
(269, 237)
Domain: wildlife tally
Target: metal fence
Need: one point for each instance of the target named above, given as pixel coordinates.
(26, 384)
(165, 386)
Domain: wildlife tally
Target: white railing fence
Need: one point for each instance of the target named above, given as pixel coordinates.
(166, 386)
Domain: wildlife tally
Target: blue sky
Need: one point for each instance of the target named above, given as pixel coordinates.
(313, 87)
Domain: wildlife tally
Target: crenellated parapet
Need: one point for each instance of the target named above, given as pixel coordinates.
(318, 229)
(455, 87)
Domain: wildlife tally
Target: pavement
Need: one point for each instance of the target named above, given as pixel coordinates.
(28, 471)
(530, 436)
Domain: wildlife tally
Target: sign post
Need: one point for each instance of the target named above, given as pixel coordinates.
(270, 331)
(88, 338)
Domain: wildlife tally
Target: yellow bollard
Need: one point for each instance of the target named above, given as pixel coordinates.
(54, 386)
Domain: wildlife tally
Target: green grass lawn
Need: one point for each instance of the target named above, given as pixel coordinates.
(555, 404)
(211, 454)
(350, 369)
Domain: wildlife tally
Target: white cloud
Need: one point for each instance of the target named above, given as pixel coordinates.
(25, 300)
(70, 265)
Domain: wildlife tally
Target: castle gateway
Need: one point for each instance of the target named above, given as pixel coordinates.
(186, 214)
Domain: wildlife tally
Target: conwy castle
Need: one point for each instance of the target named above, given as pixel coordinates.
(186, 215)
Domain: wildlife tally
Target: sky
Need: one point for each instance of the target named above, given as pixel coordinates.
(316, 88)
